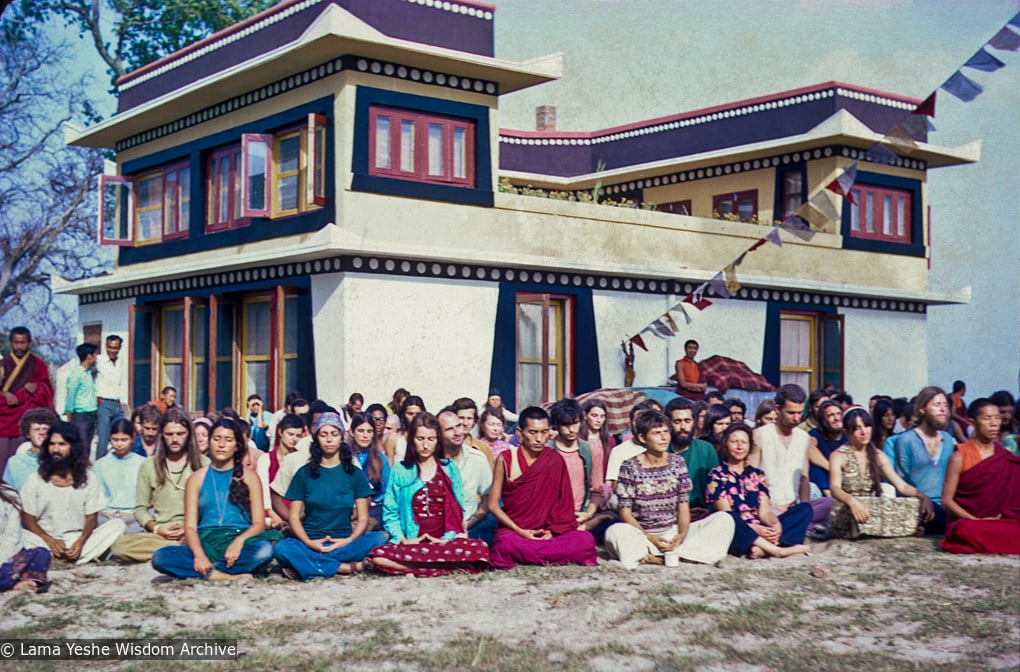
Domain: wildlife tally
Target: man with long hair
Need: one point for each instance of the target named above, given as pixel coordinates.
(61, 502)
(921, 454)
(159, 504)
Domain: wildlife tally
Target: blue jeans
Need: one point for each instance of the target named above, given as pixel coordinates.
(309, 563)
(485, 530)
(179, 561)
(86, 424)
(109, 412)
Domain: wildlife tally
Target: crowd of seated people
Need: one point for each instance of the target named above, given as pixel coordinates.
(311, 491)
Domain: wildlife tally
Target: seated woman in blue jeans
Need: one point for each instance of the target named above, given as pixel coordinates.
(224, 525)
(322, 496)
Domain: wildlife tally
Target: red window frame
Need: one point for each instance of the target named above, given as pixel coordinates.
(420, 169)
(733, 201)
(174, 209)
(892, 224)
(675, 207)
(214, 185)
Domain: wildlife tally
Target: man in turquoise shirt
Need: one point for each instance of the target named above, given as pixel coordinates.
(699, 455)
(81, 404)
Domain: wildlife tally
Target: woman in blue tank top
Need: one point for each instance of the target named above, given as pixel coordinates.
(223, 518)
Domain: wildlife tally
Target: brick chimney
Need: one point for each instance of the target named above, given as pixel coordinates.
(545, 118)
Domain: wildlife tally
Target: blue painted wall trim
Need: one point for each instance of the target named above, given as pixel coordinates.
(587, 375)
(481, 194)
(258, 228)
(770, 351)
(916, 246)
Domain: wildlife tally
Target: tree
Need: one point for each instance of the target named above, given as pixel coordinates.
(142, 30)
(47, 204)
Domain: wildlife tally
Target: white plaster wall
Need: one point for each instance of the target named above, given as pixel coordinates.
(114, 317)
(374, 334)
(730, 328)
(884, 353)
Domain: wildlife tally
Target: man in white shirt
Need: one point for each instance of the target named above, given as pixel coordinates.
(474, 468)
(111, 390)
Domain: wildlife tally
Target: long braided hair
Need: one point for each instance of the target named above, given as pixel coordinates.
(238, 489)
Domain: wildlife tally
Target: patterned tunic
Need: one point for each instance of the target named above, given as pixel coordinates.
(743, 490)
(652, 493)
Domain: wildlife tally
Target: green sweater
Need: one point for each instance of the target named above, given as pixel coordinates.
(701, 458)
(166, 500)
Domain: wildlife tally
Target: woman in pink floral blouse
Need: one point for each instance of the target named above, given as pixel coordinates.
(742, 490)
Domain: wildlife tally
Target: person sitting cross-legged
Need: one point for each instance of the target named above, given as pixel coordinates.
(424, 509)
(981, 493)
(61, 502)
(743, 491)
(224, 526)
(534, 504)
(653, 490)
(322, 495)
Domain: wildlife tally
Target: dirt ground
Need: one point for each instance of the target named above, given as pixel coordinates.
(865, 605)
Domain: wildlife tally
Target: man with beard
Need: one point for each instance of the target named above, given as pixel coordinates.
(921, 454)
(149, 418)
(61, 502)
(161, 481)
(824, 440)
(699, 455)
(24, 384)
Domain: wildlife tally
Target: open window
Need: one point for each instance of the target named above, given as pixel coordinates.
(146, 208)
(256, 160)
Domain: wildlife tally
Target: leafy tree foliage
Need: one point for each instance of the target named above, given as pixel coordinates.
(127, 34)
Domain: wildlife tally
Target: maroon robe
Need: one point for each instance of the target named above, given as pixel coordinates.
(988, 489)
(35, 371)
(540, 499)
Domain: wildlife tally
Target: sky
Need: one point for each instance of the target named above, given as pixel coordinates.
(628, 60)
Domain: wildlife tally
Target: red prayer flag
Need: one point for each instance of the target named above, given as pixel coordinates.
(698, 301)
(638, 341)
(927, 108)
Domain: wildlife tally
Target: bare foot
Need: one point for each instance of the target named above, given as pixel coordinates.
(756, 553)
(349, 568)
(799, 549)
(217, 575)
(651, 559)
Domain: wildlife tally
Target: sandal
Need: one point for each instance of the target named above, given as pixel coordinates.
(289, 573)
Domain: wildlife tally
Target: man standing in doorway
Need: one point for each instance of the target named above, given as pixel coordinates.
(111, 390)
(24, 384)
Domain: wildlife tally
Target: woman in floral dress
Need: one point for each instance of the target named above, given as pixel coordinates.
(742, 490)
(423, 512)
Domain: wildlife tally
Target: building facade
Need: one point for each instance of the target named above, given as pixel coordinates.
(321, 199)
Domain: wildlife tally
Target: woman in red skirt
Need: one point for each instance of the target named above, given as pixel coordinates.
(423, 512)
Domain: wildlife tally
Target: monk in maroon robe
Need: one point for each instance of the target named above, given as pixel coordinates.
(24, 384)
(531, 497)
(982, 490)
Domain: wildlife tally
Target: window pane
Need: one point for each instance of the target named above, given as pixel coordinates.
(887, 226)
(224, 330)
(746, 208)
(257, 328)
(407, 146)
(855, 212)
(173, 333)
(256, 379)
(382, 142)
(319, 168)
(184, 187)
(869, 212)
(171, 376)
(170, 205)
(235, 182)
(224, 384)
(795, 378)
(200, 338)
(116, 206)
(290, 328)
(290, 375)
(201, 398)
(141, 361)
(290, 154)
(150, 208)
(435, 149)
(901, 216)
(791, 191)
(529, 384)
(223, 211)
(287, 198)
(725, 207)
(460, 152)
(795, 343)
(529, 331)
(258, 168)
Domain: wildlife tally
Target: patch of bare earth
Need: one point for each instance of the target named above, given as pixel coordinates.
(875, 604)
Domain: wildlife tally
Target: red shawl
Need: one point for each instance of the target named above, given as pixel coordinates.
(992, 487)
(540, 498)
(35, 371)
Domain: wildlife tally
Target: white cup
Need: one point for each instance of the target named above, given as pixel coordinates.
(672, 560)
